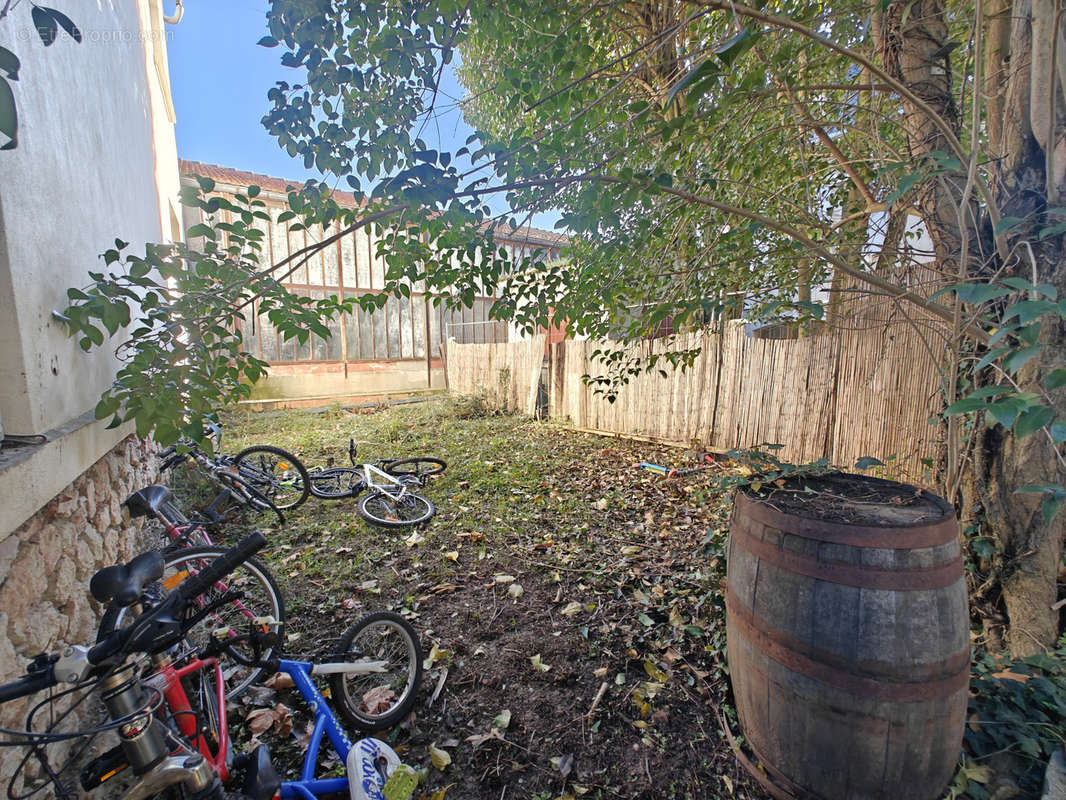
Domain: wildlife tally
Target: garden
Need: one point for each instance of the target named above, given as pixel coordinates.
(571, 612)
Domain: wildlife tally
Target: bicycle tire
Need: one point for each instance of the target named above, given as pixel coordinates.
(378, 700)
(257, 466)
(330, 484)
(250, 574)
(379, 508)
(420, 467)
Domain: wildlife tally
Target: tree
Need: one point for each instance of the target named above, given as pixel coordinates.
(707, 154)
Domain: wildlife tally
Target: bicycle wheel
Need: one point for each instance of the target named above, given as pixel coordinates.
(274, 472)
(379, 508)
(261, 599)
(333, 484)
(420, 468)
(387, 645)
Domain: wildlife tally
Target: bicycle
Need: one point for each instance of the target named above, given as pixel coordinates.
(193, 729)
(262, 476)
(189, 548)
(155, 753)
(389, 501)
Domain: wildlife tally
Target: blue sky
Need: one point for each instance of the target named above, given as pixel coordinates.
(219, 81)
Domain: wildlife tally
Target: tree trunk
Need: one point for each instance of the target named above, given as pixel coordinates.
(914, 46)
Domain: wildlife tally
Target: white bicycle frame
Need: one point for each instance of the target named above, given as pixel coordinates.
(369, 471)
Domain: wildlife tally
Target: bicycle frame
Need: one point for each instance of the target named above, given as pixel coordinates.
(168, 679)
(326, 724)
(369, 471)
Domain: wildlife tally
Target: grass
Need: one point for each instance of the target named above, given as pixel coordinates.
(549, 550)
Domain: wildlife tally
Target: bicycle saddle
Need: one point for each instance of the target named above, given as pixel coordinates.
(123, 584)
(148, 501)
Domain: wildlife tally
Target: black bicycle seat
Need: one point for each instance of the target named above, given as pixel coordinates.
(148, 501)
(123, 584)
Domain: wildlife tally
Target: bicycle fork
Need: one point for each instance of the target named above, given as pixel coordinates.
(145, 747)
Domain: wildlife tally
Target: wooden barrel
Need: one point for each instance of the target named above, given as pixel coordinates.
(848, 641)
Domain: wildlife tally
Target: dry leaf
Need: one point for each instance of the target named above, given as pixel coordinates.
(515, 590)
(414, 539)
(279, 680)
(631, 550)
(601, 504)
(503, 719)
(538, 664)
(505, 579)
(571, 608)
(440, 758)
(452, 555)
(259, 721)
(378, 700)
(563, 763)
(654, 672)
(480, 738)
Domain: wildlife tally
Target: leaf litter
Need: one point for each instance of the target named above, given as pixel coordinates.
(556, 582)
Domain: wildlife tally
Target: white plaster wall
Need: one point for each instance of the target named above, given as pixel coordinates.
(92, 149)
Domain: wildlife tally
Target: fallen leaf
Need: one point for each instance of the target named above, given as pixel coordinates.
(676, 620)
(279, 680)
(728, 783)
(601, 504)
(538, 664)
(515, 590)
(505, 579)
(440, 758)
(378, 700)
(599, 673)
(571, 608)
(259, 721)
(414, 539)
(435, 654)
(563, 763)
(401, 784)
(631, 550)
(503, 719)
(654, 672)
(480, 738)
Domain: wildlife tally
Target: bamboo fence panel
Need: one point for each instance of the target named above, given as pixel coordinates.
(506, 374)
(839, 395)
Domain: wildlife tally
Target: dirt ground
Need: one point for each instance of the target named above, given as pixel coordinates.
(568, 603)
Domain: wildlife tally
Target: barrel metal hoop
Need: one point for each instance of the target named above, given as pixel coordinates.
(777, 645)
(912, 579)
(899, 537)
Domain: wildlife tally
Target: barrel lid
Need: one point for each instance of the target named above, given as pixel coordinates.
(850, 499)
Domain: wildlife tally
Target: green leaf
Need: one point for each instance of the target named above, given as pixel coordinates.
(45, 24)
(1056, 379)
(1058, 431)
(8, 115)
(1005, 411)
(978, 293)
(9, 63)
(267, 41)
(1007, 223)
(735, 46)
(66, 24)
(991, 356)
(709, 68)
(1032, 420)
(1018, 359)
(1028, 310)
(868, 461)
(199, 229)
(964, 406)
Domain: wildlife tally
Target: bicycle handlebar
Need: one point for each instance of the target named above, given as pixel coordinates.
(158, 628)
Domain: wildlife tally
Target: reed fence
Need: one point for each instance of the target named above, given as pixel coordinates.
(840, 395)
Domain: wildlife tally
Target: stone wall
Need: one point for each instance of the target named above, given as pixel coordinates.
(46, 563)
